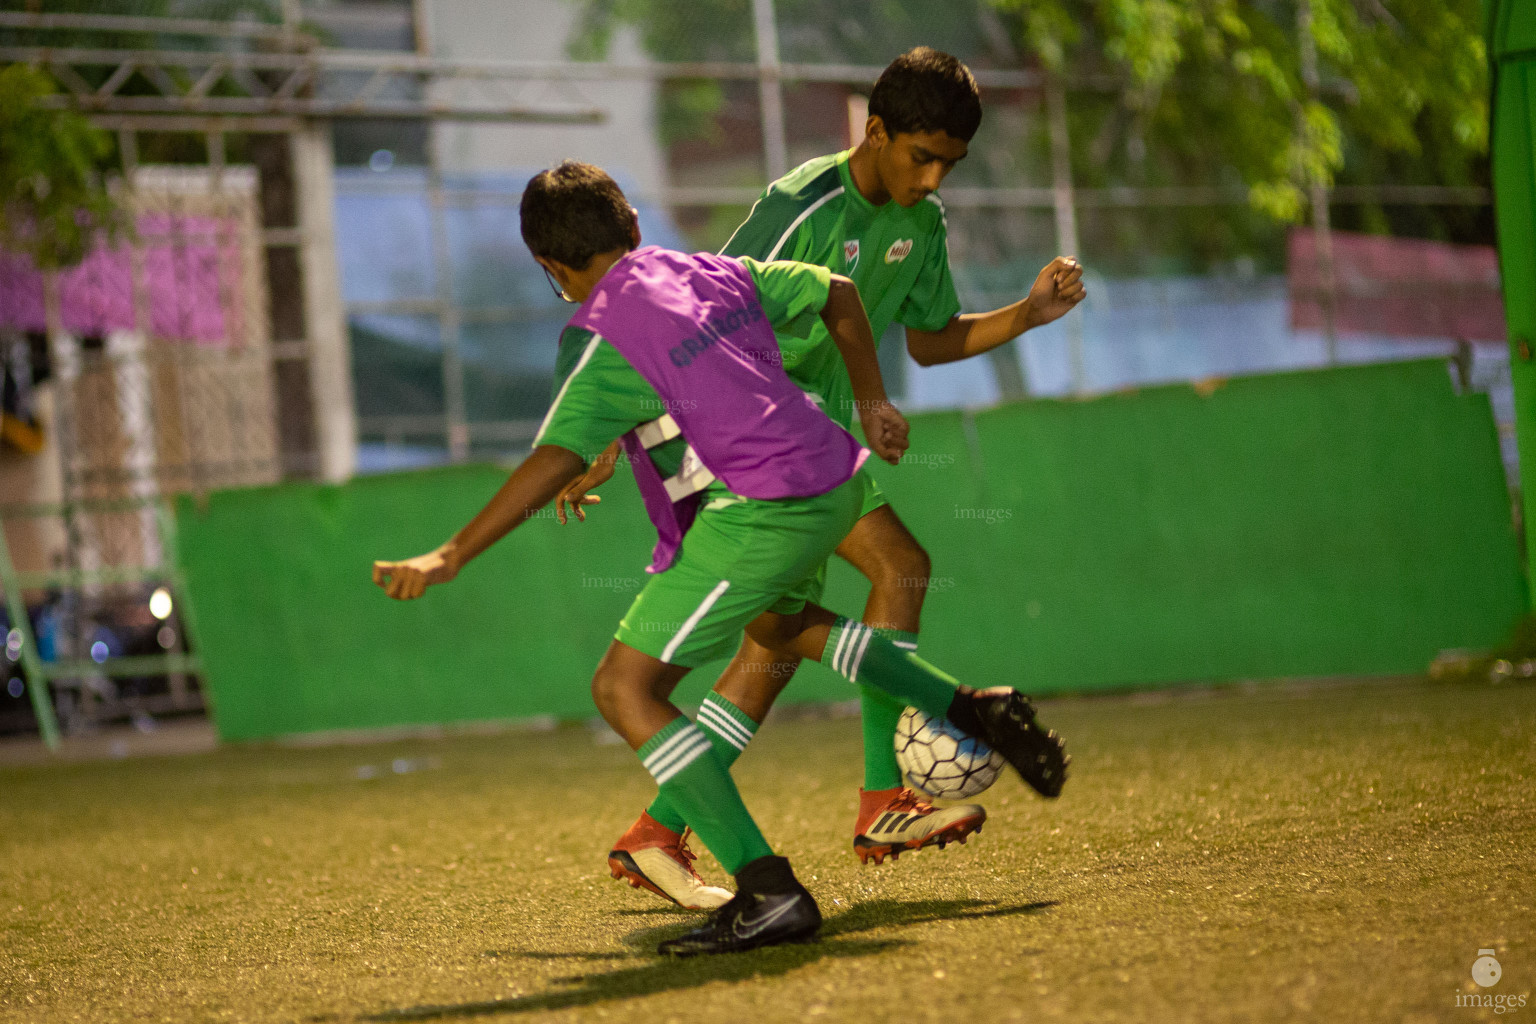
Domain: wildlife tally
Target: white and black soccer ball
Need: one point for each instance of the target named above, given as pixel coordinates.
(938, 759)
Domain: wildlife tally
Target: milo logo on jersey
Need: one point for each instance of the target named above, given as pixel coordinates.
(899, 251)
(711, 331)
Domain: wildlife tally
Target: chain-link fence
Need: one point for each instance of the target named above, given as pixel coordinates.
(156, 353)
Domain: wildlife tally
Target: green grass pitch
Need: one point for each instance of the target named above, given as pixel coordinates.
(1319, 853)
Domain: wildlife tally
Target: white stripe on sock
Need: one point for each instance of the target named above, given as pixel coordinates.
(664, 751)
(860, 632)
(850, 631)
(717, 731)
(723, 736)
(685, 737)
(683, 760)
(693, 620)
(842, 638)
(684, 753)
(732, 731)
(906, 645)
(730, 721)
(858, 657)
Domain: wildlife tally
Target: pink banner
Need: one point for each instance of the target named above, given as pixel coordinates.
(1405, 287)
(192, 278)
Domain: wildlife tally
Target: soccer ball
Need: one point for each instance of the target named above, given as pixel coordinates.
(938, 759)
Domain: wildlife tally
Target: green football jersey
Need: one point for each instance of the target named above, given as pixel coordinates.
(898, 257)
(599, 396)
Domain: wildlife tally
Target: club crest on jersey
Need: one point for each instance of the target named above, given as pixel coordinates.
(850, 253)
(899, 251)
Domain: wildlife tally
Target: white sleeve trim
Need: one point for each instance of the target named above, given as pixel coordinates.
(774, 253)
(581, 363)
(936, 201)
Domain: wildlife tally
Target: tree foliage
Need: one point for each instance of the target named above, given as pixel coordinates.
(1204, 92)
(868, 32)
(1220, 85)
(54, 200)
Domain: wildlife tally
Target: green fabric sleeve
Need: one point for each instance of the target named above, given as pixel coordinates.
(598, 396)
(764, 227)
(792, 294)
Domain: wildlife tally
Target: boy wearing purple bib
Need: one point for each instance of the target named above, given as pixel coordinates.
(750, 488)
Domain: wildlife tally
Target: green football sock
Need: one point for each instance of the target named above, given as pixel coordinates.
(729, 731)
(880, 714)
(860, 655)
(689, 775)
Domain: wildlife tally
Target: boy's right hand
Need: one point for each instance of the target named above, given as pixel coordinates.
(885, 430)
(598, 473)
(575, 493)
(408, 579)
(576, 496)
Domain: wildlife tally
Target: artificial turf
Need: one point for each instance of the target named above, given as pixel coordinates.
(1323, 853)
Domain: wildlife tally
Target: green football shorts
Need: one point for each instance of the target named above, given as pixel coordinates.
(871, 499)
(741, 557)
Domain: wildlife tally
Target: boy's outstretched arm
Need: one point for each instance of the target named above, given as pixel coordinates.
(1057, 289)
(532, 486)
(885, 429)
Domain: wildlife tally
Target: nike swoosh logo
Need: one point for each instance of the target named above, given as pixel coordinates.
(745, 927)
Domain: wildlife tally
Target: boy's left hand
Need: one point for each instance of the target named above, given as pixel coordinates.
(408, 579)
(885, 431)
(1057, 289)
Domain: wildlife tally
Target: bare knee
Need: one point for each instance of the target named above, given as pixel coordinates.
(607, 688)
(901, 566)
(770, 632)
(626, 679)
(885, 552)
(755, 678)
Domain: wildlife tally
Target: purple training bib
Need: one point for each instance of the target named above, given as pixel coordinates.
(693, 327)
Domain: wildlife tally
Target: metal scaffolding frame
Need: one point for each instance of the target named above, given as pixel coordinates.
(291, 84)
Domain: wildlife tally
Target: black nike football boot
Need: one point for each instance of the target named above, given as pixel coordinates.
(1004, 719)
(754, 917)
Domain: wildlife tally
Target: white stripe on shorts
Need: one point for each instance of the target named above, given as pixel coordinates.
(693, 620)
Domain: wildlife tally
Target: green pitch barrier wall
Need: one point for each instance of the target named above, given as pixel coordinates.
(1350, 521)
(1512, 50)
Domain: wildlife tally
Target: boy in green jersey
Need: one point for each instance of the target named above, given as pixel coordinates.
(873, 214)
(652, 327)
